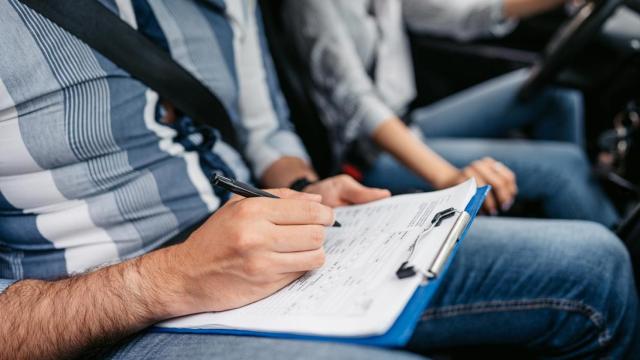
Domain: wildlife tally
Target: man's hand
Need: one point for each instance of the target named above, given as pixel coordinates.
(488, 171)
(246, 251)
(344, 190)
(250, 248)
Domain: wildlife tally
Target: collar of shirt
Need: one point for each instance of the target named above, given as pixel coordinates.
(217, 4)
(237, 10)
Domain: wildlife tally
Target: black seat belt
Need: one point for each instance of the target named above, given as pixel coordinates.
(105, 32)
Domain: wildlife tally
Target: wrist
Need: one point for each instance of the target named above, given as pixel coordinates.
(159, 285)
(446, 178)
(285, 170)
(301, 184)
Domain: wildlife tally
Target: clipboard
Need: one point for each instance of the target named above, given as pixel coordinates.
(402, 329)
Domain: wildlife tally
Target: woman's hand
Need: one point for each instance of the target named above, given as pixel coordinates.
(343, 190)
(488, 171)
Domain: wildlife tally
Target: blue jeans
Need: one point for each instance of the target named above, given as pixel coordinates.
(492, 110)
(556, 174)
(553, 170)
(559, 288)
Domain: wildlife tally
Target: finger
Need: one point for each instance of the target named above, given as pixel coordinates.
(293, 238)
(501, 174)
(234, 198)
(290, 211)
(285, 193)
(283, 280)
(489, 204)
(353, 192)
(507, 174)
(298, 261)
(484, 168)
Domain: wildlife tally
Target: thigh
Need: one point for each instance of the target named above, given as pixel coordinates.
(204, 346)
(492, 110)
(387, 173)
(489, 109)
(556, 175)
(541, 167)
(558, 286)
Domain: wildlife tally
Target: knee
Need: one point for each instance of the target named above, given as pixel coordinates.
(612, 286)
(599, 248)
(587, 258)
(569, 97)
(565, 159)
(590, 252)
(569, 102)
(582, 268)
(599, 273)
(603, 259)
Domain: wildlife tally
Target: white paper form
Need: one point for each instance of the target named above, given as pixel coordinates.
(356, 293)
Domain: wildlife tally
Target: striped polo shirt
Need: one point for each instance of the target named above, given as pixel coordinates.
(89, 174)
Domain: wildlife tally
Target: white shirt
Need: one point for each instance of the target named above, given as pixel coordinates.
(359, 57)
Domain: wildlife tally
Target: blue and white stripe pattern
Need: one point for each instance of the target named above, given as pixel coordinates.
(235, 64)
(88, 174)
(4, 284)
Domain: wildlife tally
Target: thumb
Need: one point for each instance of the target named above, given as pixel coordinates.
(356, 193)
(292, 194)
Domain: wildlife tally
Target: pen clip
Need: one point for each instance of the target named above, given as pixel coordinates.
(219, 179)
(239, 188)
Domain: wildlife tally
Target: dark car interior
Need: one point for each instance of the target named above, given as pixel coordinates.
(593, 47)
(596, 49)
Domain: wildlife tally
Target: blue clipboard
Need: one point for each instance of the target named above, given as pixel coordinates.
(400, 332)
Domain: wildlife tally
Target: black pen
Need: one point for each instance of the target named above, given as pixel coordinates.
(246, 190)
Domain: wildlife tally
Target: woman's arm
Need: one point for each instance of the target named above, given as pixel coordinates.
(394, 137)
(518, 9)
(468, 19)
(344, 85)
(340, 80)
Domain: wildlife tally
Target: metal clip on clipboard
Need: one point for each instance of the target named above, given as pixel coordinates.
(408, 270)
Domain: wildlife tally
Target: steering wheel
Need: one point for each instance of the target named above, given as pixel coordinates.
(566, 43)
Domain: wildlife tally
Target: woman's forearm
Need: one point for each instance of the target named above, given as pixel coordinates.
(394, 137)
(516, 9)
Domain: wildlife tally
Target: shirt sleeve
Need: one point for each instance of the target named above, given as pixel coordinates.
(463, 20)
(341, 83)
(264, 113)
(5, 283)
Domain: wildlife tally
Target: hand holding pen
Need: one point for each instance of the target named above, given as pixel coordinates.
(246, 190)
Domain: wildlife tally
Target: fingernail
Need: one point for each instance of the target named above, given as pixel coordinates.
(493, 212)
(506, 206)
